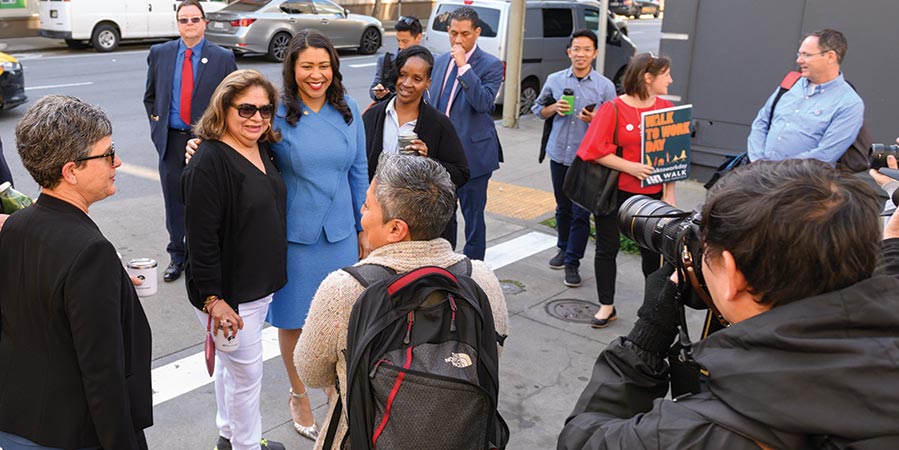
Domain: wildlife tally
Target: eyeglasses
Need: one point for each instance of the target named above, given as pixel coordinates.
(185, 20)
(247, 110)
(110, 154)
(804, 55)
(407, 20)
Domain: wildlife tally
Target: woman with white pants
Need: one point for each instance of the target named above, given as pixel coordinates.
(235, 203)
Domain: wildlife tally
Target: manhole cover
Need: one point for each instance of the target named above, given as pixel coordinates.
(571, 310)
(511, 287)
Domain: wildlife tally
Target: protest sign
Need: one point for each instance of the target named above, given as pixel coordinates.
(666, 144)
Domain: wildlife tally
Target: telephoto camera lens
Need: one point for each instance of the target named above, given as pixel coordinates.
(653, 224)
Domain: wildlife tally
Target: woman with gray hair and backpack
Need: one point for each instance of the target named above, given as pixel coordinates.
(454, 299)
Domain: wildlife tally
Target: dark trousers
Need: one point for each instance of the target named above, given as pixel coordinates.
(607, 245)
(451, 230)
(170, 168)
(473, 200)
(572, 221)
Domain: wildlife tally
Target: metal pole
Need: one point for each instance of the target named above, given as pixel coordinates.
(603, 32)
(514, 44)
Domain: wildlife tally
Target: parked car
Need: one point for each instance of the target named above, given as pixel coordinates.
(266, 26)
(104, 24)
(12, 82)
(629, 8)
(620, 22)
(547, 30)
(649, 7)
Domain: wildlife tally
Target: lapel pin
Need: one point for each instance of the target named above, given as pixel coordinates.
(204, 60)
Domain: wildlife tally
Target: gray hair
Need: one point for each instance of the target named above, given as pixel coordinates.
(416, 190)
(56, 130)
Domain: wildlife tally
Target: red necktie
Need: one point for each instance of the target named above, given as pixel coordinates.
(187, 86)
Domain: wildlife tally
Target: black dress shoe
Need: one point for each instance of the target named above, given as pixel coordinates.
(172, 272)
(602, 323)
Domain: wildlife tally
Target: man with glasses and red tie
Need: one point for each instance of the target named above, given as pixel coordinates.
(465, 81)
(818, 116)
(181, 77)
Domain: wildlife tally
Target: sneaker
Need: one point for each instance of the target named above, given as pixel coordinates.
(266, 444)
(558, 261)
(222, 444)
(572, 277)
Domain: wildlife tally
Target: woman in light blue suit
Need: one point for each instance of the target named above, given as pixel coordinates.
(322, 161)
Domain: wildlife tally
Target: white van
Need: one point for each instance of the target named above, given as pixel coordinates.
(547, 29)
(103, 24)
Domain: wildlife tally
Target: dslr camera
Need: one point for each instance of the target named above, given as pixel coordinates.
(879, 153)
(664, 229)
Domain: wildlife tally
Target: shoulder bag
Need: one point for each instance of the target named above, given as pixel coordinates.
(591, 185)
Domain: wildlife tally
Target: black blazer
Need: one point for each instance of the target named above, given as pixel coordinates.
(75, 344)
(432, 127)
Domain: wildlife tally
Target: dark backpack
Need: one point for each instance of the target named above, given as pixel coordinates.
(422, 366)
(856, 157)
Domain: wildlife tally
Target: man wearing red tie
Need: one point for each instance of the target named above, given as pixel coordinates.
(181, 77)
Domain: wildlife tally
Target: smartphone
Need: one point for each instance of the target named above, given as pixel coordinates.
(590, 107)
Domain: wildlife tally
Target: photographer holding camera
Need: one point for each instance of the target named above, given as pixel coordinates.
(792, 258)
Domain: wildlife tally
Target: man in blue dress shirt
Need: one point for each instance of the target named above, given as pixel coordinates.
(820, 116)
(178, 92)
(570, 123)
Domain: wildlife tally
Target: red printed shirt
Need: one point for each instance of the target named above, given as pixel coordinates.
(599, 140)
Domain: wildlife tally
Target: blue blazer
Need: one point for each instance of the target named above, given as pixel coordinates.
(161, 74)
(322, 161)
(472, 109)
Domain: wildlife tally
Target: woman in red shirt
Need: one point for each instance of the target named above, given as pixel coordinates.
(646, 78)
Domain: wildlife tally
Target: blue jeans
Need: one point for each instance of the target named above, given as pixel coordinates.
(572, 221)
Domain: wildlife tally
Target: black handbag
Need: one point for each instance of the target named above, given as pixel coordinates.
(591, 185)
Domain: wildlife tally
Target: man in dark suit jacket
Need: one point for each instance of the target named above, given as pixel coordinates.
(173, 104)
(75, 344)
(465, 83)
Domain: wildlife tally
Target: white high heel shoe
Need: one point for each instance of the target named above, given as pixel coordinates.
(310, 432)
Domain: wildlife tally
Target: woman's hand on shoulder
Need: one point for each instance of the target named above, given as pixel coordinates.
(191, 148)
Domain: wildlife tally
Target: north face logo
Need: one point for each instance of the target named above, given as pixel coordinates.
(460, 360)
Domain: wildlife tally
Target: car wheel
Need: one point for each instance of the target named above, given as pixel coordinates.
(530, 89)
(637, 13)
(75, 44)
(656, 14)
(277, 47)
(105, 38)
(370, 42)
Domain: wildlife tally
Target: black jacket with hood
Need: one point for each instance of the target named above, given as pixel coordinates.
(822, 372)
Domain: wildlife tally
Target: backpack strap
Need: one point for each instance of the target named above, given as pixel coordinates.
(463, 267)
(366, 274)
(785, 85)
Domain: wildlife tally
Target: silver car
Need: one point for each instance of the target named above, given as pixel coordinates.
(266, 26)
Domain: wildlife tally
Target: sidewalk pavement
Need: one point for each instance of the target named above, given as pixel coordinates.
(546, 362)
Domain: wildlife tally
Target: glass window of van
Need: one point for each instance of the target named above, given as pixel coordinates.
(488, 19)
(557, 22)
(591, 18)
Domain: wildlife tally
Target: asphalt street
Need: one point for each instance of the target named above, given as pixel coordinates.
(547, 360)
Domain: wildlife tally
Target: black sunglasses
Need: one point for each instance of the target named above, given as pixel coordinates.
(184, 20)
(110, 154)
(407, 20)
(247, 110)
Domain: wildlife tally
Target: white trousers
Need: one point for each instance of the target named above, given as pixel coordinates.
(238, 379)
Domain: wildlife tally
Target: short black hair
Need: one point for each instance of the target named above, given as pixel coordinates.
(415, 51)
(466, 13)
(796, 228)
(410, 24)
(583, 32)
